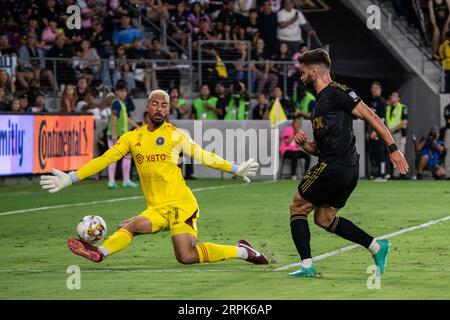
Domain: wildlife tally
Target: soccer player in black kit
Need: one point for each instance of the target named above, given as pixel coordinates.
(326, 187)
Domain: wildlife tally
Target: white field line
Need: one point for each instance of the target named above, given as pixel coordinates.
(180, 270)
(79, 204)
(348, 248)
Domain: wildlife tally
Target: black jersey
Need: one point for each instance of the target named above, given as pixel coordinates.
(332, 123)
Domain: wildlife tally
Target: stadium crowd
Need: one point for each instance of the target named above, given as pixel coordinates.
(41, 53)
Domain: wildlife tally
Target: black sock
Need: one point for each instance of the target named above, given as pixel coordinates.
(348, 230)
(301, 235)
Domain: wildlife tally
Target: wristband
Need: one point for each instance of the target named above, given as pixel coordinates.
(392, 148)
(74, 177)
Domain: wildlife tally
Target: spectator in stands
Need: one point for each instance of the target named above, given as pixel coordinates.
(241, 66)
(48, 35)
(179, 27)
(397, 122)
(82, 88)
(88, 12)
(4, 101)
(33, 91)
(195, 16)
(213, 7)
(65, 73)
(237, 107)
(81, 66)
(261, 67)
(166, 72)
(156, 11)
(68, 99)
(39, 105)
(287, 104)
(118, 126)
(88, 104)
(142, 70)
(204, 106)
(126, 33)
(440, 18)
(5, 48)
(181, 103)
(91, 60)
(431, 150)
(290, 150)
(50, 12)
(261, 109)
(15, 106)
(227, 16)
(267, 26)
(23, 102)
(243, 7)
(444, 56)
(275, 5)
(99, 39)
(31, 55)
(290, 22)
(283, 56)
(445, 135)
(174, 113)
(376, 149)
(251, 26)
(122, 68)
(223, 99)
(6, 83)
(32, 26)
(294, 82)
(304, 102)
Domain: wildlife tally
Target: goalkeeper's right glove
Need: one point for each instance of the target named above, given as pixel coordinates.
(57, 181)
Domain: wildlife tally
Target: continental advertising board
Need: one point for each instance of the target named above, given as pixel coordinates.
(37, 143)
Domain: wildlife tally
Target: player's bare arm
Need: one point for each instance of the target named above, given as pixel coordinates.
(363, 112)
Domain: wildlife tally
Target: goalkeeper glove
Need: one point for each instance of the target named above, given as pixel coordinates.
(57, 181)
(245, 170)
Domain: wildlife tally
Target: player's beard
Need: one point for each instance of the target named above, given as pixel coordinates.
(157, 122)
(309, 81)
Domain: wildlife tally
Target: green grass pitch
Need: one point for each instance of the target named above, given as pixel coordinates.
(34, 256)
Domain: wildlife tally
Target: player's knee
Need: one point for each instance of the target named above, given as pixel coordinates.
(185, 257)
(302, 209)
(323, 220)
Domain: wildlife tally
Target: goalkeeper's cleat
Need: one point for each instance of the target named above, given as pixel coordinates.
(112, 185)
(381, 256)
(129, 184)
(254, 256)
(85, 250)
(309, 272)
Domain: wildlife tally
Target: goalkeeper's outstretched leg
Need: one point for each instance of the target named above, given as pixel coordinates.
(185, 247)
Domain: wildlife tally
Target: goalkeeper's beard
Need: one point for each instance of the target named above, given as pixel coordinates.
(157, 122)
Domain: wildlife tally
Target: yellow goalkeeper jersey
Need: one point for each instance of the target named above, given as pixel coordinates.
(156, 157)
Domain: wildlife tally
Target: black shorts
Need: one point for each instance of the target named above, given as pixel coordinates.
(329, 184)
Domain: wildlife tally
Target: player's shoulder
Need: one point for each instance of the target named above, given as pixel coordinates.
(339, 87)
(175, 132)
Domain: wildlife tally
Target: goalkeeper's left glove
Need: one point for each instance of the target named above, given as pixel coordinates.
(245, 170)
(57, 181)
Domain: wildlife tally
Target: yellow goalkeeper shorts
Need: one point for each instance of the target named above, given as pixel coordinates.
(178, 218)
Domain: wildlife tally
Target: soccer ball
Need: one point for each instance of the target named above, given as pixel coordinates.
(91, 229)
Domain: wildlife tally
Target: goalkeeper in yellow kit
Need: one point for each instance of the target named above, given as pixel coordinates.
(170, 203)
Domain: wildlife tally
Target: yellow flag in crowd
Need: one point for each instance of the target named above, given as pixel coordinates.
(274, 118)
(221, 68)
